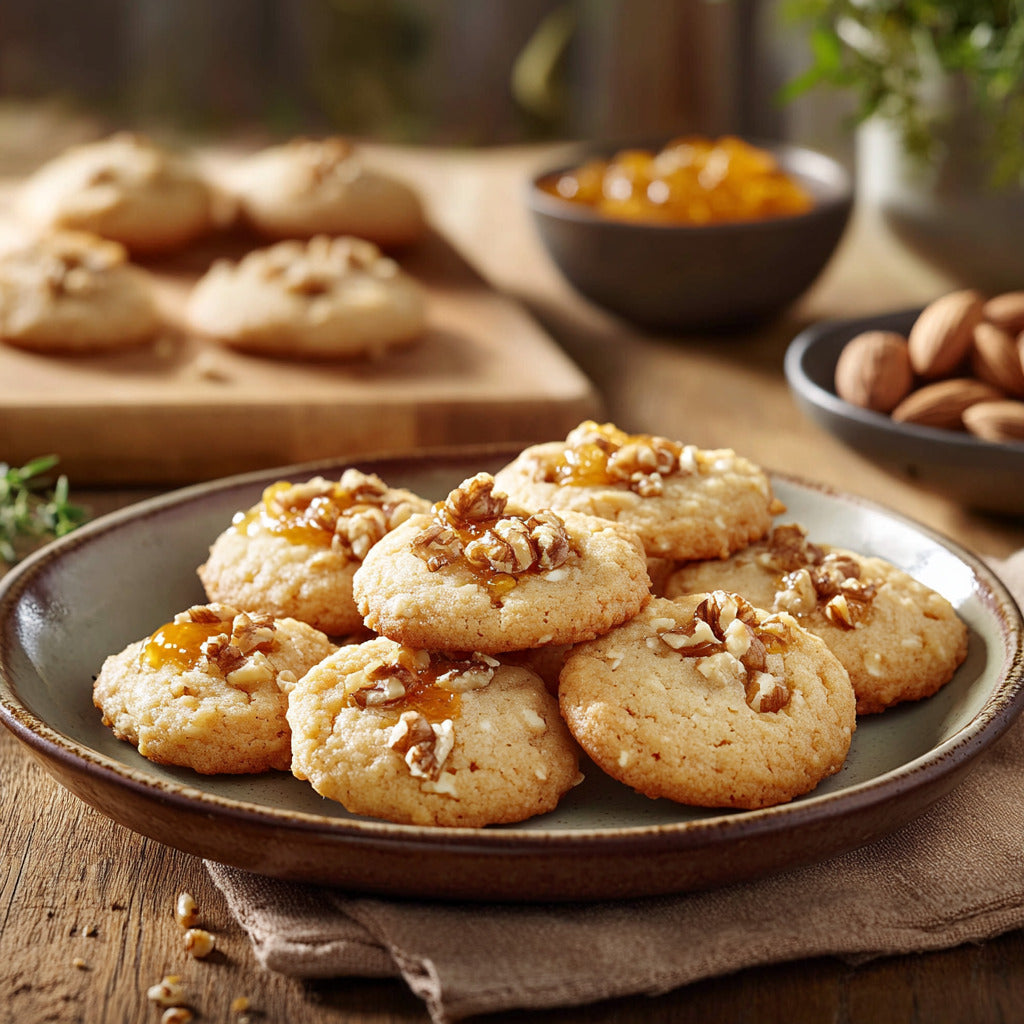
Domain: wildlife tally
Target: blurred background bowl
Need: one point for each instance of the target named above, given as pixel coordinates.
(984, 475)
(684, 277)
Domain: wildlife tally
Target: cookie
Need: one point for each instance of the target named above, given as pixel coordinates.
(208, 690)
(710, 702)
(428, 738)
(75, 294)
(310, 187)
(294, 554)
(481, 575)
(898, 639)
(126, 188)
(321, 299)
(683, 501)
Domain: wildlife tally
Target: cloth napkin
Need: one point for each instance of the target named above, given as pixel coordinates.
(953, 875)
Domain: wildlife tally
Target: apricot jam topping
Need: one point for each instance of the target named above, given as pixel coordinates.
(302, 514)
(692, 180)
(602, 455)
(179, 644)
(430, 683)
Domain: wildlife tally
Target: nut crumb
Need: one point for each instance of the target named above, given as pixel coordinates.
(80, 964)
(240, 1004)
(177, 1015)
(167, 992)
(186, 913)
(199, 942)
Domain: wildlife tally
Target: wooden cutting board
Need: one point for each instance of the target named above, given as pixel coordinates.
(184, 409)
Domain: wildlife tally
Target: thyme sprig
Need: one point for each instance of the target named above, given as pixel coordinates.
(33, 508)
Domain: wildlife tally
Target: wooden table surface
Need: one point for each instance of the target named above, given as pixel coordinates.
(86, 906)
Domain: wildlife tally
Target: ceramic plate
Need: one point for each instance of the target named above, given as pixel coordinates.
(115, 580)
(983, 475)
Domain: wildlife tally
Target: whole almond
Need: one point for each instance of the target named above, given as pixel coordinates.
(996, 421)
(942, 403)
(874, 370)
(1006, 311)
(996, 360)
(941, 335)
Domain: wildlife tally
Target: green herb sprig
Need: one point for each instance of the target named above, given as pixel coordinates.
(31, 510)
(883, 50)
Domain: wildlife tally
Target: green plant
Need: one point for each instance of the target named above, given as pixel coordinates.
(30, 509)
(884, 51)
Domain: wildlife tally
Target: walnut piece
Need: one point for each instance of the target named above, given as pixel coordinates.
(424, 745)
(239, 652)
(356, 511)
(731, 641)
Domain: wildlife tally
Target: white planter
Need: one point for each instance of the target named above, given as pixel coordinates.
(948, 212)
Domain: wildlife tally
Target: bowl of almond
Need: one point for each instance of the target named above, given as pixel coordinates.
(934, 395)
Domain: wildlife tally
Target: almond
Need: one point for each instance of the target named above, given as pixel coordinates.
(942, 403)
(1006, 311)
(941, 335)
(996, 421)
(874, 371)
(996, 360)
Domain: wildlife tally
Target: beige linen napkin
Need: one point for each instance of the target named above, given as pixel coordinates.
(954, 875)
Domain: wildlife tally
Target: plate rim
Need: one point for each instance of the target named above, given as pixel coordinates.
(945, 761)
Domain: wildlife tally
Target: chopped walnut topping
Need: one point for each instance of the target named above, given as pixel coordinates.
(831, 581)
(382, 685)
(475, 500)
(644, 464)
(315, 267)
(472, 524)
(209, 613)
(603, 454)
(471, 673)
(249, 640)
(425, 746)
(730, 641)
(787, 549)
(438, 546)
(354, 513)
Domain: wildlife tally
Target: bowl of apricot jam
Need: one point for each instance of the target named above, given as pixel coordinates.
(696, 233)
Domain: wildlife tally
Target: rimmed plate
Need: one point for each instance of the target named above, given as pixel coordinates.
(117, 579)
(983, 475)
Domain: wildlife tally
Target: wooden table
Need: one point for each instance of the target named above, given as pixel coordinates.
(86, 907)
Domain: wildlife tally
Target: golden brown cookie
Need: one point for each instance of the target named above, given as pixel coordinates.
(126, 188)
(309, 187)
(710, 702)
(481, 575)
(429, 738)
(294, 554)
(322, 299)
(683, 501)
(898, 639)
(75, 294)
(208, 690)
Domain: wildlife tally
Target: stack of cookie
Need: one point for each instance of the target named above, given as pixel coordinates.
(613, 597)
(324, 289)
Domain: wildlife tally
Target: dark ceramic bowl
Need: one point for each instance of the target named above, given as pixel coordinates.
(682, 278)
(982, 475)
